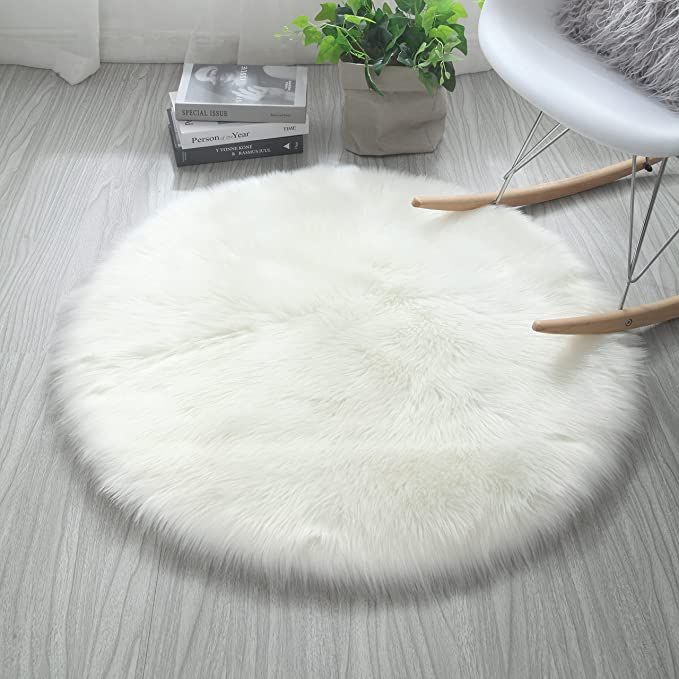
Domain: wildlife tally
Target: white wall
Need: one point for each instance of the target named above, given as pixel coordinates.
(162, 31)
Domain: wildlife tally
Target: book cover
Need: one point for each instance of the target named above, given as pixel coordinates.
(226, 152)
(239, 93)
(196, 134)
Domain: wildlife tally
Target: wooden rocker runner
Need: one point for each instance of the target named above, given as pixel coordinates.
(574, 88)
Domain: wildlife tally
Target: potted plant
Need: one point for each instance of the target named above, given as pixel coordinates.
(395, 66)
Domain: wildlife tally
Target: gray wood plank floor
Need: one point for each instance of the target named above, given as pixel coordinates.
(84, 593)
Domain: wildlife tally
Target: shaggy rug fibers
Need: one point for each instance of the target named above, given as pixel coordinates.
(303, 374)
(639, 38)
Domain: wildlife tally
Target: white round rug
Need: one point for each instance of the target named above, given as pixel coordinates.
(302, 373)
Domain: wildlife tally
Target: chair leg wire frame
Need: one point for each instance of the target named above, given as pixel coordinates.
(526, 155)
(632, 251)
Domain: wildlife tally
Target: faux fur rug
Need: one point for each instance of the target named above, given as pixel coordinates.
(301, 373)
(639, 38)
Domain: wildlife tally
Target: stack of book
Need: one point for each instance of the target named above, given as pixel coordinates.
(230, 112)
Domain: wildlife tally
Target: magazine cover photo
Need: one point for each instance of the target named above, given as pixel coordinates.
(234, 84)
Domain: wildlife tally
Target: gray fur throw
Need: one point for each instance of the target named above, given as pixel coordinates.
(639, 38)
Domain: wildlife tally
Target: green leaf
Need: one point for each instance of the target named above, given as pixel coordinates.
(407, 6)
(433, 59)
(462, 44)
(480, 3)
(438, 6)
(355, 19)
(459, 10)
(301, 21)
(421, 34)
(340, 12)
(375, 41)
(449, 83)
(429, 80)
(370, 81)
(384, 61)
(421, 49)
(342, 41)
(450, 58)
(428, 17)
(312, 35)
(413, 36)
(445, 7)
(396, 26)
(354, 35)
(328, 51)
(445, 11)
(443, 33)
(328, 12)
(404, 55)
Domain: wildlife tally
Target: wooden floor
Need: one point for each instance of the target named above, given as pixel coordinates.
(86, 594)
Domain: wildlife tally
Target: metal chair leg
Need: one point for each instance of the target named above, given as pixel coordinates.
(526, 155)
(625, 318)
(632, 252)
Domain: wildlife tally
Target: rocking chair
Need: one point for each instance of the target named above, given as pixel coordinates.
(522, 42)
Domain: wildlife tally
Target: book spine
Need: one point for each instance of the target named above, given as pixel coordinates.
(189, 139)
(226, 152)
(227, 113)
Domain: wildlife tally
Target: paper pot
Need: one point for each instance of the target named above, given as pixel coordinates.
(407, 119)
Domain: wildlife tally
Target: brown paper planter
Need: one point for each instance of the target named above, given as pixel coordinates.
(407, 119)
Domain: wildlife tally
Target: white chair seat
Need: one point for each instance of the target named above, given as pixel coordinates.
(523, 44)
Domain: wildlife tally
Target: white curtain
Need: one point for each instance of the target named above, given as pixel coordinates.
(199, 30)
(71, 36)
(59, 34)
